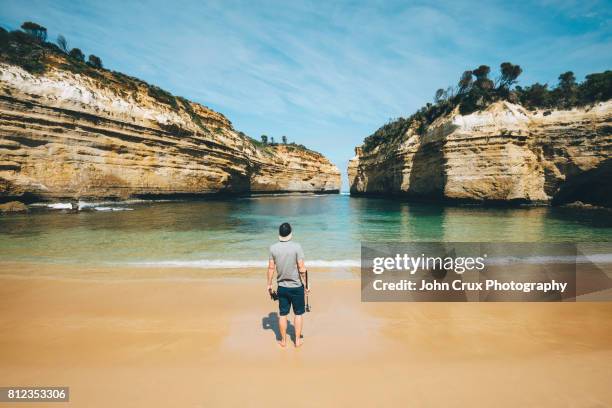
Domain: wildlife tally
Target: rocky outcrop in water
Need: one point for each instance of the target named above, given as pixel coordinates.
(13, 207)
(503, 154)
(65, 134)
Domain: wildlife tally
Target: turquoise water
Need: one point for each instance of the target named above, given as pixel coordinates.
(237, 232)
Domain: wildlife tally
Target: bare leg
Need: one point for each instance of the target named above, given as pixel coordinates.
(282, 324)
(298, 323)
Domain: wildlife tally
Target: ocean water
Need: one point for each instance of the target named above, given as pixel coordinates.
(237, 232)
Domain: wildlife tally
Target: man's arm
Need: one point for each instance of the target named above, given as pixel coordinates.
(301, 266)
(271, 268)
(302, 270)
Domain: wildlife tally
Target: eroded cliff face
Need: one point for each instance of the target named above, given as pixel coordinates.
(502, 154)
(66, 135)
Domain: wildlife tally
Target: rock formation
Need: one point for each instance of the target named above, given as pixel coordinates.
(504, 153)
(65, 134)
(13, 207)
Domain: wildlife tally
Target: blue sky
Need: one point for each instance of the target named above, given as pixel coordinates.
(327, 73)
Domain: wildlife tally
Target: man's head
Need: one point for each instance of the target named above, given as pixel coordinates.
(284, 232)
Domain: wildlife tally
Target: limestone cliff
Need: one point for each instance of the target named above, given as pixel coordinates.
(69, 135)
(504, 153)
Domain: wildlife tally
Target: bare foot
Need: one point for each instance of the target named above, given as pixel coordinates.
(298, 343)
(283, 344)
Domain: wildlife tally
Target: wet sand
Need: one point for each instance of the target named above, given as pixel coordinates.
(196, 342)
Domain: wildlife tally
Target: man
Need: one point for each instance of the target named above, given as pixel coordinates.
(287, 257)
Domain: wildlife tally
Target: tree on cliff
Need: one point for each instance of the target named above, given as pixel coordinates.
(272, 140)
(62, 43)
(536, 95)
(284, 139)
(94, 61)
(264, 139)
(35, 30)
(440, 95)
(567, 90)
(76, 53)
(596, 87)
(465, 82)
(474, 95)
(509, 74)
(482, 78)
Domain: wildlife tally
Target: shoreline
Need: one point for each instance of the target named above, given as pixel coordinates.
(41, 200)
(124, 272)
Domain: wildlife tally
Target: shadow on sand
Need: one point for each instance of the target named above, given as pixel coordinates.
(270, 322)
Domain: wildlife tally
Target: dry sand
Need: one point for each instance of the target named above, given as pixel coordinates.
(193, 342)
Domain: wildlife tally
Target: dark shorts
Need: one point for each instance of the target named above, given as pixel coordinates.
(288, 297)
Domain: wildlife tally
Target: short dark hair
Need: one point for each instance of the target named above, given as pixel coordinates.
(284, 230)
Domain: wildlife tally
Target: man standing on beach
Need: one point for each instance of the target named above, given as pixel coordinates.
(287, 257)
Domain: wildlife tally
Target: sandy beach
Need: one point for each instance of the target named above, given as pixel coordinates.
(199, 342)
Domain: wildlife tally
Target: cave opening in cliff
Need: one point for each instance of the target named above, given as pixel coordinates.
(590, 187)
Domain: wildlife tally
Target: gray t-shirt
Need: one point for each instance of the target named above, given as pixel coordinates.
(285, 255)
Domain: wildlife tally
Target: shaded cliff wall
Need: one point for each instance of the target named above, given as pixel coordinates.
(502, 154)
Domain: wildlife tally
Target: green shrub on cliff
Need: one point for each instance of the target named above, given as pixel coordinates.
(568, 93)
(475, 91)
(596, 87)
(94, 61)
(62, 43)
(77, 54)
(536, 95)
(265, 145)
(37, 31)
(162, 95)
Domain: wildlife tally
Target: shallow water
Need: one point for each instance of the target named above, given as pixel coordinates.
(237, 232)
